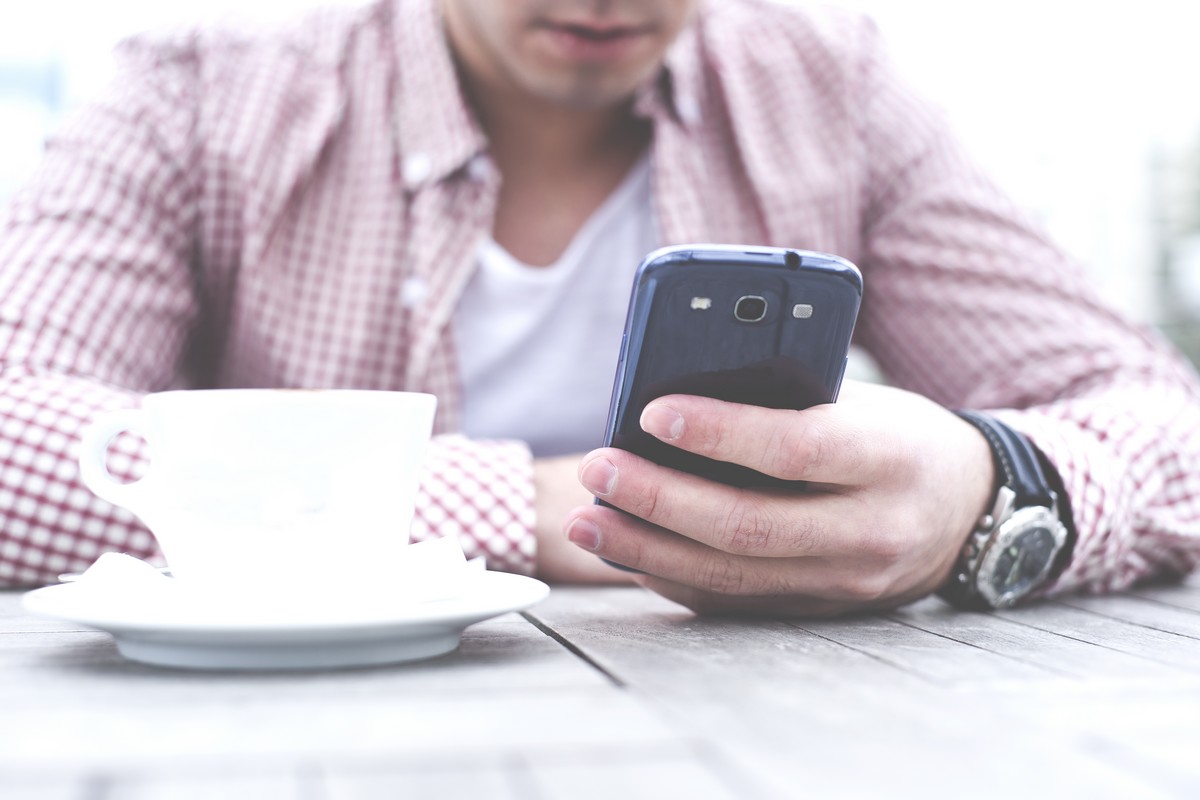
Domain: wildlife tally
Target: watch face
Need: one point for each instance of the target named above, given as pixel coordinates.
(1023, 561)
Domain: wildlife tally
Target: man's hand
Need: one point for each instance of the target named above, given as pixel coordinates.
(896, 483)
(557, 491)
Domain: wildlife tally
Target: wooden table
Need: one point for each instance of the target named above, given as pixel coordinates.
(616, 693)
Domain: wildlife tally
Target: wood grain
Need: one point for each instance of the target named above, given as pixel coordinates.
(618, 693)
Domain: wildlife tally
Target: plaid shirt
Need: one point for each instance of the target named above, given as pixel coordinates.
(303, 208)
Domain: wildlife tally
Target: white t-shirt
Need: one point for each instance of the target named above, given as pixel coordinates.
(538, 346)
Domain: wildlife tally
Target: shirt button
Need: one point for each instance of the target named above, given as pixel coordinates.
(479, 168)
(413, 292)
(417, 168)
(689, 110)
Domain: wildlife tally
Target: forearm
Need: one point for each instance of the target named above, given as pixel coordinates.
(557, 491)
(1129, 459)
(49, 522)
(97, 306)
(508, 507)
(970, 304)
(482, 492)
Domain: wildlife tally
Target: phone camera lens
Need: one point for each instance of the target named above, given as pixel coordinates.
(750, 308)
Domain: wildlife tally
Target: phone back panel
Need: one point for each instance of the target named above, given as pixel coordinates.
(684, 336)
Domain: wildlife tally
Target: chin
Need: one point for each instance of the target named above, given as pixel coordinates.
(586, 92)
(589, 101)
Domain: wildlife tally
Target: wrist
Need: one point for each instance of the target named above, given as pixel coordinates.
(1016, 546)
(974, 496)
(556, 491)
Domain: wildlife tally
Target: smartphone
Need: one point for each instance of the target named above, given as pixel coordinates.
(755, 325)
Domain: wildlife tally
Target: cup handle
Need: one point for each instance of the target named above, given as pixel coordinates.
(93, 452)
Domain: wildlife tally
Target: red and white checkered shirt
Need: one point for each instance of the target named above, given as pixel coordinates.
(303, 208)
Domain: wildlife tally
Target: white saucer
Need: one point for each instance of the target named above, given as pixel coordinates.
(195, 636)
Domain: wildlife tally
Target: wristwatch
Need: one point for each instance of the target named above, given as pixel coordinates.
(1023, 541)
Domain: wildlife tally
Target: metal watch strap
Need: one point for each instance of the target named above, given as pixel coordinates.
(1018, 468)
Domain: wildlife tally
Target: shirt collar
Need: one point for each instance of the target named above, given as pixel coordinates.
(674, 94)
(437, 130)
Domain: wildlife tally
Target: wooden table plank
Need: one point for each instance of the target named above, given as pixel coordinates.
(40, 787)
(1150, 729)
(936, 658)
(639, 778)
(118, 713)
(509, 689)
(628, 773)
(1145, 613)
(617, 692)
(14, 619)
(1058, 654)
(1187, 597)
(85, 668)
(207, 786)
(634, 634)
(69, 696)
(1184, 593)
(493, 779)
(1107, 631)
(282, 730)
(867, 692)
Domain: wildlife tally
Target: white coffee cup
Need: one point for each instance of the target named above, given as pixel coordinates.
(307, 490)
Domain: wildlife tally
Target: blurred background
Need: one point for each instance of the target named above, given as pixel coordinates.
(1086, 112)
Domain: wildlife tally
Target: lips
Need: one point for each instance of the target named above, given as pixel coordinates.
(594, 41)
(596, 32)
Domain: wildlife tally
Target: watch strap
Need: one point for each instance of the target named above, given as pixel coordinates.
(1017, 465)
(1019, 468)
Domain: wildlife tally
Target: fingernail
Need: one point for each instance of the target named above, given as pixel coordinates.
(599, 476)
(584, 534)
(662, 421)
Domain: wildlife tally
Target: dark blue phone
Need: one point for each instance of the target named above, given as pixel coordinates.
(755, 325)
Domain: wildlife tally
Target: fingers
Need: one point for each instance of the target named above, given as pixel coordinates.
(883, 530)
(820, 585)
(634, 543)
(737, 521)
(709, 603)
(825, 444)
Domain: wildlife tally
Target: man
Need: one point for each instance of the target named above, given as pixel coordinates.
(451, 197)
